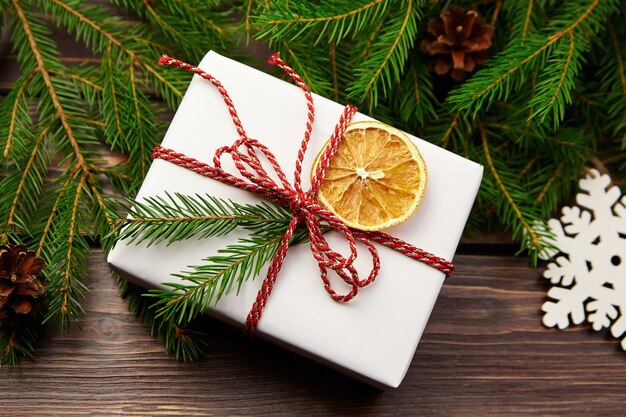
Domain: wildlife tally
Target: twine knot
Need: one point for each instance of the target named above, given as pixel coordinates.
(298, 202)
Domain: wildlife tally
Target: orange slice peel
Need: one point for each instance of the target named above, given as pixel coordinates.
(376, 179)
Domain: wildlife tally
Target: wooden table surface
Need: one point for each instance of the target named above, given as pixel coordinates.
(484, 352)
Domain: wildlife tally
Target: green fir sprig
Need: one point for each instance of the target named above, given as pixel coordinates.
(172, 218)
(177, 217)
(184, 340)
(206, 283)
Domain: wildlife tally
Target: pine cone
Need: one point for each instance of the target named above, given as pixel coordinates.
(19, 286)
(458, 40)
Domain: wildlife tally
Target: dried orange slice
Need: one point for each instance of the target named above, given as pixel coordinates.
(376, 179)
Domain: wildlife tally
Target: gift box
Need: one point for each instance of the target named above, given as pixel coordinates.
(374, 336)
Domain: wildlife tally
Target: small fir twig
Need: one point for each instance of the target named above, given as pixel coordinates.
(177, 217)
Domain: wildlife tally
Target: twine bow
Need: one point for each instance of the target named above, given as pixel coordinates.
(245, 153)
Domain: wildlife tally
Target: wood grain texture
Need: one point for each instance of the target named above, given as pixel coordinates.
(484, 352)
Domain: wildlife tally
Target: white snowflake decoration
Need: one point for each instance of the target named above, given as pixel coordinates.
(592, 272)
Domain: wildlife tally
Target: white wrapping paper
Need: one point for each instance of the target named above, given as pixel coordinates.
(374, 336)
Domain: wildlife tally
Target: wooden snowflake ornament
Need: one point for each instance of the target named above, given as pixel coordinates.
(589, 273)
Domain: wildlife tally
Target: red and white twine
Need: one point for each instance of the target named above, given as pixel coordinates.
(245, 153)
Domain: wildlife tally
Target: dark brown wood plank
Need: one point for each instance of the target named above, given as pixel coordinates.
(484, 352)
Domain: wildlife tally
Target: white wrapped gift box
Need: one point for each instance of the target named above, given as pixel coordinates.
(374, 336)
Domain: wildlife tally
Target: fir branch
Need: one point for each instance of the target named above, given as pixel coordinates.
(307, 65)
(68, 264)
(374, 34)
(110, 99)
(52, 90)
(146, 141)
(522, 19)
(331, 21)
(30, 183)
(157, 18)
(567, 65)
(47, 227)
(450, 131)
(453, 125)
(185, 341)
(384, 65)
(127, 127)
(81, 80)
(86, 81)
(248, 16)
(185, 23)
(533, 133)
(526, 225)
(17, 102)
(493, 82)
(197, 11)
(99, 35)
(104, 221)
(206, 283)
(549, 183)
(529, 11)
(416, 102)
(553, 92)
(180, 217)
